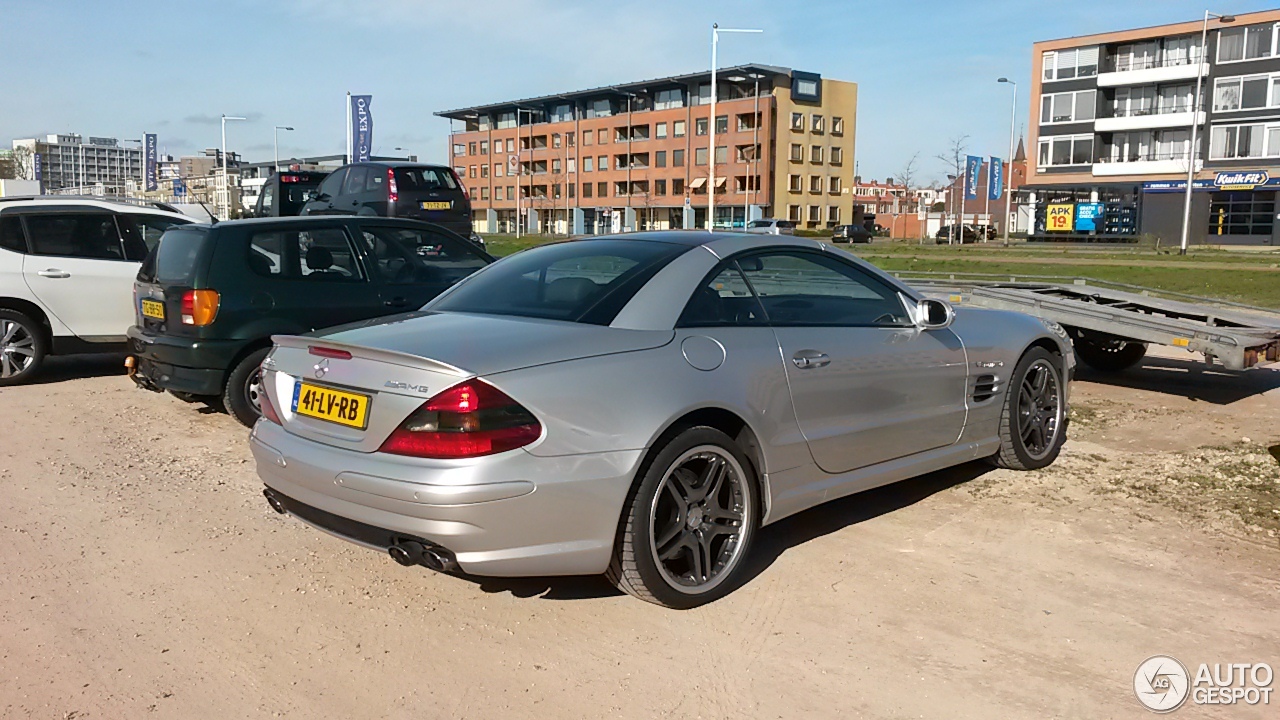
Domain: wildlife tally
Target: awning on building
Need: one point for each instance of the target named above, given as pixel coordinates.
(720, 182)
(697, 183)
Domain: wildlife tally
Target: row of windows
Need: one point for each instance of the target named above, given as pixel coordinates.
(1067, 64)
(816, 153)
(1234, 45)
(1246, 92)
(741, 154)
(1252, 140)
(1247, 43)
(817, 123)
(621, 188)
(1068, 107)
(744, 122)
(813, 213)
(834, 185)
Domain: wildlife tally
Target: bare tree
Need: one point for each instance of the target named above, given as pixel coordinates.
(18, 165)
(954, 157)
(907, 177)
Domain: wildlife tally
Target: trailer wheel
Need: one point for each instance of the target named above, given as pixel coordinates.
(1107, 353)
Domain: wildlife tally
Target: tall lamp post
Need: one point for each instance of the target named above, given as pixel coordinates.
(1195, 122)
(226, 193)
(1008, 188)
(276, 134)
(711, 129)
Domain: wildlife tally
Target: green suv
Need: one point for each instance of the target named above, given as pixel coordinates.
(208, 298)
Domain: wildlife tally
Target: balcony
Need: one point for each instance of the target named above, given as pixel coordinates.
(1119, 71)
(1143, 163)
(1177, 116)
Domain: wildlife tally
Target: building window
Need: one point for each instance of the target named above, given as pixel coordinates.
(484, 193)
(620, 188)
(722, 154)
(1227, 142)
(700, 126)
(797, 152)
(746, 153)
(602, 136)
(668, 99)
(506, 120)
(677, 158)
(497, 193)
(599, 109)
(700, 156)
(1067, 64)
(1242, 213)
(1247, 92)
(815, 153)
(816, 123)
(722, 124)
(837, 126)
(660, 158)
(555, 165)
(793, 183)
(555, 191)
(459, 149)
(471, 171)
(815, 183)
(1246, 43)
(834, 186)
(1067, 107)
(571, 165)
(660, 130)
(555, 139)
(602, 163)
(602, 189)
(586, 190)
(484, 170)
(815, 213)
(837, 156)
(484, 147)
(511, 145)
(659, 187)
(568, 140)
(588, 164)
(704, 94)
(1066, 150)
(797, 121)
(833, 214)
(793, 213)
(497, 169)
(511, 192)
(677, 128)
(471, 148)
(748, 121)
(587, 137)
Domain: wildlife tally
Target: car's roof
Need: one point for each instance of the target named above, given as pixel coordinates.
(63, 202)
(321, 219)
(714, 241)
(399, 164)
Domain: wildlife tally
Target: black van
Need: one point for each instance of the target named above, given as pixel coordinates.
(209, 297)
(432, 193)
(284, 193)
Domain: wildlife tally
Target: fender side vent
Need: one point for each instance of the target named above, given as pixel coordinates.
(985, 387)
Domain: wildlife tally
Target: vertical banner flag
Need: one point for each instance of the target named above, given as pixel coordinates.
(995, 179)
(361, 128)
(972, 168)
(149, 177)
(37, 167)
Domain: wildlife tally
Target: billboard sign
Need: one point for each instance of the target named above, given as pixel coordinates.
(1060, 217)
(1087, 216)
(1242, 180)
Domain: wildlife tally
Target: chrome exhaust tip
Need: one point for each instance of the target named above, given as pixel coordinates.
(274, 502)
(406, 553)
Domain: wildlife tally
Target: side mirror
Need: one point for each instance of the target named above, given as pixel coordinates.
(313, 195)
(934, 314)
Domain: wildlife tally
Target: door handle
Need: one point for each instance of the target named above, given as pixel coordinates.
(396, 302)
(54, 273)
(806, 359)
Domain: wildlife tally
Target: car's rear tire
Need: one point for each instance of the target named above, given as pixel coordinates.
(1108, 354)
(1033, 424)
(241, 395)
(688, 523)
(22, 347)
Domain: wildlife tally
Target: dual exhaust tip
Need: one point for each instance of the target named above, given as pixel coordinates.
(405, 552)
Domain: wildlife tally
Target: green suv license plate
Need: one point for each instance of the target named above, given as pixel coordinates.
(153, 309)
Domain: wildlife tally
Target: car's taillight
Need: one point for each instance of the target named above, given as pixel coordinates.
(264, 401)
(199, 307)
(467, 420)
(461, 185)
(393, 191)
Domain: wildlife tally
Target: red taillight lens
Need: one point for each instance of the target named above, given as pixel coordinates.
(321, 351)
(393, 192)
(467, 420)
(461, 185)
(264, 401)
(199, 307)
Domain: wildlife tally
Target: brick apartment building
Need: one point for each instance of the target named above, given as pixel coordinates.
(1111, 129)
(636, 155)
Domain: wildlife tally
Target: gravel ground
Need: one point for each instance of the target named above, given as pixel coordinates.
(145, 574)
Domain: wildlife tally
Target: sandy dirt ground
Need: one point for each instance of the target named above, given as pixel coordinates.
(144, 576)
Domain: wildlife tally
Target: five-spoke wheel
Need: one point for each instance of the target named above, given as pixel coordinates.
(1033, 422)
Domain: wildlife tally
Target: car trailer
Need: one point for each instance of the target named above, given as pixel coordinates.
(1112, 324)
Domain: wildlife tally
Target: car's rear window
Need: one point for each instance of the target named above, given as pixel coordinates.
(424, 179)
(587, 281)
(173, 261)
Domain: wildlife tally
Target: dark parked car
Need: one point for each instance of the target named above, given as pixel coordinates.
(209, 297)
(285, 193)
(431, 193)
(963, 234)
(850, 234)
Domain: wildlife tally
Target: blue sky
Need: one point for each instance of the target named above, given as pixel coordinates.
(926, 69)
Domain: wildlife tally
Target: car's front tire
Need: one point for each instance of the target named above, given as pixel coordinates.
(689, 522)
(243, 386)
(1033, 424)
(22, 347)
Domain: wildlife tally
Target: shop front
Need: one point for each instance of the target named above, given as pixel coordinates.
(1235, 207)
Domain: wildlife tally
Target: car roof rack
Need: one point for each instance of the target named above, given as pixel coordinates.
(136, 202)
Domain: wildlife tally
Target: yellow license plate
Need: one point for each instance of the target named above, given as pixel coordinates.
(335, 406)
(437, 205)
(153, 309)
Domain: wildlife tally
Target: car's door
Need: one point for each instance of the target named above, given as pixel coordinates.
(327, 194)
(313, 276)
(349, 202)
(868, 385)
(79, 270)
(414, 265)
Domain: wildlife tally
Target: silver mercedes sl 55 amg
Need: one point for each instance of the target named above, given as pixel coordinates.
(641, 405)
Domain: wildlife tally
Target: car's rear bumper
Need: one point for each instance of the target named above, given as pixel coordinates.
(187, 365)
(511, 514)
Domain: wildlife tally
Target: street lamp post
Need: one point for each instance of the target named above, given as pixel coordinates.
(1195, 121)
(1008, 189)
(711, 129)
(276, 134)
(225, 194)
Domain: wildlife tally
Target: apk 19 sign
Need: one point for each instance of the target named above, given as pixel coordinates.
(1060, 218)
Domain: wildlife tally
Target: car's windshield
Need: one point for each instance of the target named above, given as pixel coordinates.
(760, 223)
(424, 178)
(586, 281)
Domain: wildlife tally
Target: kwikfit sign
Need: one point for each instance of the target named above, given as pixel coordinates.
(1241, 180)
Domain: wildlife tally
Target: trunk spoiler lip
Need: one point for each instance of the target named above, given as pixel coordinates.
(387, 356)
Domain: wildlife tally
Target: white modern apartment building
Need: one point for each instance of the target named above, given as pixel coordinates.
(98, 165)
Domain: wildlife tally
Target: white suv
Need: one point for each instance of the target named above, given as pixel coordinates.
(67, 266)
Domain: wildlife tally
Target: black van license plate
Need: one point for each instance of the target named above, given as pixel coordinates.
(430, 205)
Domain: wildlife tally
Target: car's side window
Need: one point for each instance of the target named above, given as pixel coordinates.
(317, 255)
(149, 228)
(11, 237)
(267, 199)
(391, 262)
(376, 181)
(332, 185)
(800, 288)
(356, 177)
(80, 235)
(432, 257)
(724, 300)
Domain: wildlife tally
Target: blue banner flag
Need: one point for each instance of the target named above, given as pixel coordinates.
(995, 179)
(149, 176)
(972, 169)
(361, 128)
(38, 167)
